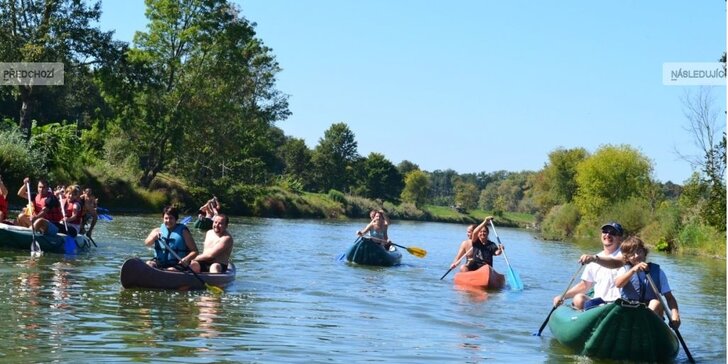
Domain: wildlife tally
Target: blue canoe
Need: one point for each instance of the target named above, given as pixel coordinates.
(368, 252)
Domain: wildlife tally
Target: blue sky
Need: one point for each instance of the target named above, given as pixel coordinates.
(483, 85)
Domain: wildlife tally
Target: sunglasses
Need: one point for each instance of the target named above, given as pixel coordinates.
(611, 232)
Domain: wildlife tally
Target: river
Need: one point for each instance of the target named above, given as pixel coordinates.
(294, 301)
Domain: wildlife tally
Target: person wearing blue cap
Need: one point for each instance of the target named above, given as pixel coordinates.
(597, 276)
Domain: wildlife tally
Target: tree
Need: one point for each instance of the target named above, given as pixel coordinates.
(708, 131)
(466, 195)
(416, 187)
(405, 167)
(556, 184)
(197, 91)
(51, 31)
(442, 187)
(333, 156)
(296, 158)
(612, 174)
(381, 179)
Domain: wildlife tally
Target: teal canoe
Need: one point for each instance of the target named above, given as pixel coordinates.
(20, 238)
(203, 224)
(367, 252)
(617, 331)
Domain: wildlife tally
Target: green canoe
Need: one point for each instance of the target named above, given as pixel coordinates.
(367, 252)
(20, 238)
(203, 224)
(618, 331)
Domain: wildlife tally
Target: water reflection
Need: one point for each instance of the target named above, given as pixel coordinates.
(208, 315)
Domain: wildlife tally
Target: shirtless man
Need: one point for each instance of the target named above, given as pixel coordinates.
(218, 247)
(89, 213)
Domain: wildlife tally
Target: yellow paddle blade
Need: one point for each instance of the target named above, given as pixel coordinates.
(213, 289)
(418, 252)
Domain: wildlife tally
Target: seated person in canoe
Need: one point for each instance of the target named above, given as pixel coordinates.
(632, 279)
(43, 212)
(90, 215)
(177, 238)
(596, 275)
(480, 250)
(465, 246)
(3, 201)
(218, 247)
(377, 228)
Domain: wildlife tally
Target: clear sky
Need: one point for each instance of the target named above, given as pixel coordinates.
(480, 86)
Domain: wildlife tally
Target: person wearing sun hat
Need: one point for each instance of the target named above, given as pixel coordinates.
(597, 276)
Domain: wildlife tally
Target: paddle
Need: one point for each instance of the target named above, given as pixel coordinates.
(34, 246)
(185, 220)
(418, 252)
(101, 212)
(543, 325)
(513, 279)
(464, 255)
(211, 288)
(666, 308)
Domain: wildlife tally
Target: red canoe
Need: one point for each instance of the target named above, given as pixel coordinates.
(485, 277)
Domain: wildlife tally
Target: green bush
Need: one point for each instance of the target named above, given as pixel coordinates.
(697, 237)
(17, 161)
(633, 214)
(337, 196)
(561, 222)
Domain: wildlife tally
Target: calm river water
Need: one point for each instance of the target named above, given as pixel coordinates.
(293, 301)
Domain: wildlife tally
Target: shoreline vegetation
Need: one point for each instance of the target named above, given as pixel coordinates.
(276, 202)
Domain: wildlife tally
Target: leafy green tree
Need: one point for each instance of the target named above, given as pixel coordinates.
(196, 93)
(52, 31)
(556, 182)
(405, 167)
(612, 174)
(416, 187)
(333, 158)
(442, 184)
(296, 158)
(466, 195)
(381, 179)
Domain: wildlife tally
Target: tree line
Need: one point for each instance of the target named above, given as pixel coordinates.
(194, 96)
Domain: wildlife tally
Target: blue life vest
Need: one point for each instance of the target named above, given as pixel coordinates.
(638, 288)
(176, 242)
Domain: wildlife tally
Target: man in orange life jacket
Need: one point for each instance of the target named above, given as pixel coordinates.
(47, 215)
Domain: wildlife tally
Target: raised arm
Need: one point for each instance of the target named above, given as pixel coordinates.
(482, 225)
(152, 237)
(607, 262)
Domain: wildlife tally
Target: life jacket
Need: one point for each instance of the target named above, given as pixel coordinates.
(483, 253)
(54, 213)
(70, 208)
(176, 242)
(4, 206)
(638, 288)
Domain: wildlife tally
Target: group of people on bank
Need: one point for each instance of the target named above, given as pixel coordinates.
(619, 271)
(67, 209)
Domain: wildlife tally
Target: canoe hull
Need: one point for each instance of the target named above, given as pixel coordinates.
(135, 273)
(617, 331)
(367, 252)
(204, 224)
(484, 277)
(20, 238)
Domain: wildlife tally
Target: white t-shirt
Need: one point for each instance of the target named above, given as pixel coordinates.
(603, 279)
(664, 284)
